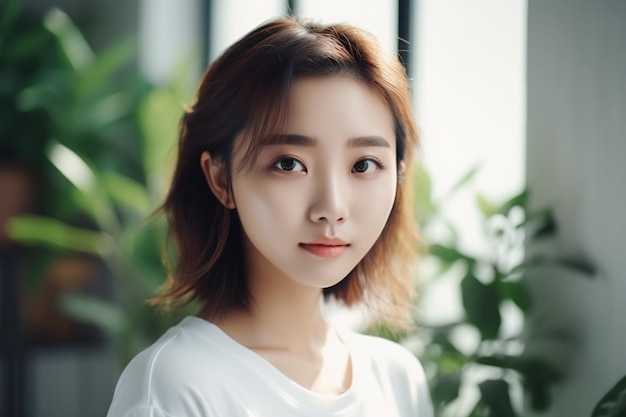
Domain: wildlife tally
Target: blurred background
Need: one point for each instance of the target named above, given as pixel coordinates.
(521, 106)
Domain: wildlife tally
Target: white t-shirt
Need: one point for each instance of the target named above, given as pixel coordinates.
(197, 370)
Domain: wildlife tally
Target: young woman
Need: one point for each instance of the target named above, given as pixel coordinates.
(291, 186)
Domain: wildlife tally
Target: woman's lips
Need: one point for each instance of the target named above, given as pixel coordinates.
(324, 250)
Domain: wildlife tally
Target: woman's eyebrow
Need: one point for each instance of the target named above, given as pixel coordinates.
(302, 140)
(291, 139)
(368, 141)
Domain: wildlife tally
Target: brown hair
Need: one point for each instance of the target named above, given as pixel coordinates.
(245, 93)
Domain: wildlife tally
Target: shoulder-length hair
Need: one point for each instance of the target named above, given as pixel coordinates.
(244, 93)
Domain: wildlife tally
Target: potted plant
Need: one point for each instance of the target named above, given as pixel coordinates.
(496, 364)
(106, 142)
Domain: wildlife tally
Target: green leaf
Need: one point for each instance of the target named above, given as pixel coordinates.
(105, 315)
(466, 179)
(495, 395)
(479, 410)
(613, 404)
(449, 254)
(532, 368)
(126, 192)
(481, 303)
(73, 167)
(8, 16)
(538, 376)
(451, 360)
(540, 224)
(423, 193)
(105, 65)
(500, 361)
(39, 230)
(519, 200)
(81, 175)
(146, 253)
(446, 387)
(159, 117)
(73, 45)
(106, 111)
(517, 292)
(487, 208)
(576, 264)
(27, 44)
(538, 393)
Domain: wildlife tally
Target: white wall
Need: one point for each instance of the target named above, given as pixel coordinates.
(576, 148)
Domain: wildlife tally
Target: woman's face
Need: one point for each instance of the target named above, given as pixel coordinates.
(314, 204)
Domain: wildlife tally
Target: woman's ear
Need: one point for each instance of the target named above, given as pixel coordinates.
(215, 175)
(401, 171)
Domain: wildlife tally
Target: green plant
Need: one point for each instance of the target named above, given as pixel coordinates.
(495, 363)
(24, 47)
(106, 146)
(613, 403)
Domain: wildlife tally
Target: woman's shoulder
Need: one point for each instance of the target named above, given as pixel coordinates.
(180, 352)
(187, 356)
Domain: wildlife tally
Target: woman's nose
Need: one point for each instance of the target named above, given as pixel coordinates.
(330, 202)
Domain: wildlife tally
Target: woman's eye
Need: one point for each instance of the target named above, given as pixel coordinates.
(366, 166)
(289, 164)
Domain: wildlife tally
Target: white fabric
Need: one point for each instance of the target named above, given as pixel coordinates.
(197, 370)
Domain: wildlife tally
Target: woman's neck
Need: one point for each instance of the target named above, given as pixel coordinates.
(288, 318)
(294, 337)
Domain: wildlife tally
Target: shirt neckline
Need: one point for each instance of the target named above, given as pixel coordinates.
(291, 391)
